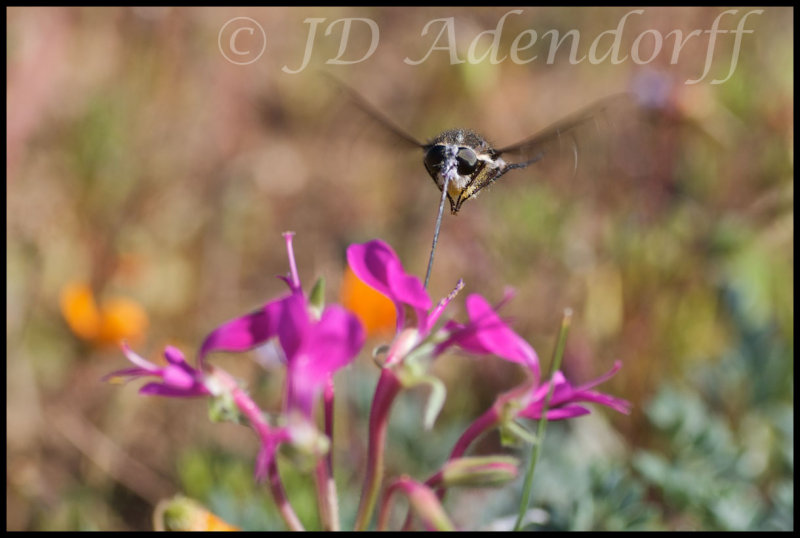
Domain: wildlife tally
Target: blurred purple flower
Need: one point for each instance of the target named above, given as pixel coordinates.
(528, 400)
(563, 403)
(314, 349)
(179, 380)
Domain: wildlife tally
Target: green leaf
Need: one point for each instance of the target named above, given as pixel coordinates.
(316, 299)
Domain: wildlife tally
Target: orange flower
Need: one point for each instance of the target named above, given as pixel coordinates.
(375, 311)
(118, 318)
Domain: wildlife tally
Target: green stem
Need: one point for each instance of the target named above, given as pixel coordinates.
(321, 480)
(250, 410)
(281, 500)
(327, 498)
(489, 420)
(558, 355)
(385, 392)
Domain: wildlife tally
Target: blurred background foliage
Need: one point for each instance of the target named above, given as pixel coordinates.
(149, 179)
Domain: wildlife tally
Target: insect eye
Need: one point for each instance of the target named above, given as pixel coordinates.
(467, 161)
(435, 157)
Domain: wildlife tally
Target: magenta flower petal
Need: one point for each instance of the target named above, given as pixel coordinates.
(377, 265)
(246, 332)
(487, 334)
(178, 378)
(369, 261)
(174, 356)
(178, 374)
(333, 343)
(406, 288)
(283, 317)
(160, 389)
(617, 404)
(494, 336)
(569, 411)
(293, 324)
(330, 344)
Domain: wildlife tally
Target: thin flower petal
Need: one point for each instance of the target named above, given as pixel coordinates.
(179, 379)
(159, 389)
(137, 359)
(603, 378)
(119, 375)
(569, 411)
(440, 307)
(617, 404)
(294, 279)
(563, 402)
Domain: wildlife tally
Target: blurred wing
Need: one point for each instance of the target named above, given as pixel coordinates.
(375, 114)
(562, 137)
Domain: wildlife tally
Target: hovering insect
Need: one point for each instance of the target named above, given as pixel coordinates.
(462, 163)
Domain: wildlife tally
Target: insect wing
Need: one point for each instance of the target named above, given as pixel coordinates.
(376, 115)
(562, 138)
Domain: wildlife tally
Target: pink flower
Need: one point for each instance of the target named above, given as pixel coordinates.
(564, 401)
(314, 348)
(377, 265)
(179, 380)
(528, 400)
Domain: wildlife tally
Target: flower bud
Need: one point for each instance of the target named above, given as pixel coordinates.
(483, 471)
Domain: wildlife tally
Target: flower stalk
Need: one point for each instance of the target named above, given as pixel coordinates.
(326, 487)
(422, 500)
(385, 392)
(558, 355)
(255, 417)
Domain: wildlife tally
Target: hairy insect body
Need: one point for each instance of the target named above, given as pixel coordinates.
(463, 160)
